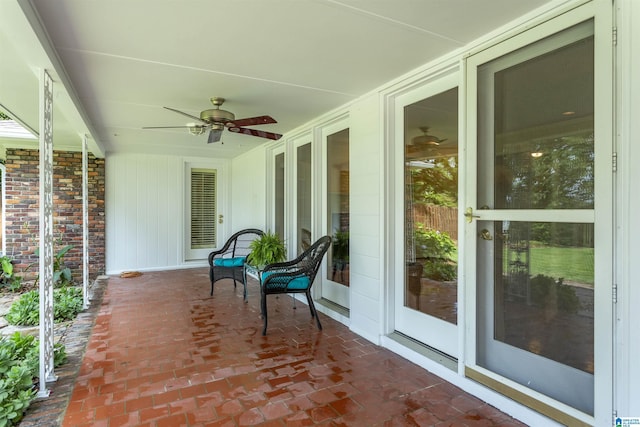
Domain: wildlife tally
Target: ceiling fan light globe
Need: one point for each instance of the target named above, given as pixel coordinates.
(195, 129)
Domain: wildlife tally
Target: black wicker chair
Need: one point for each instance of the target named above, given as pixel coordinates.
(294, 277)
(228, 262)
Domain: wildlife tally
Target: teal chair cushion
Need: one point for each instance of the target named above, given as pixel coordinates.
(301, 282)
(229, 262)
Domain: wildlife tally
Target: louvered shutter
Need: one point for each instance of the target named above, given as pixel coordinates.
(203, 208)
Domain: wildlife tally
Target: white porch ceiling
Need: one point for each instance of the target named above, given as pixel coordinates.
(121, 61)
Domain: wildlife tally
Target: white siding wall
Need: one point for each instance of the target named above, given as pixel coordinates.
(365, 220)
(145, 212)
(248, 191)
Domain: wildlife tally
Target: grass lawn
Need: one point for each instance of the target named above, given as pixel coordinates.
(572, 264)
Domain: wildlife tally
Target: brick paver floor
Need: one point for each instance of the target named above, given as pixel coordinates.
(165, 353)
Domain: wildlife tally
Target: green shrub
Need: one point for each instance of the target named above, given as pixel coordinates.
(441, 270)
(18, 370)
(432, 243)
(16, 394)
(67, 303)
(435, 250)
(541, 293)
(25, 311)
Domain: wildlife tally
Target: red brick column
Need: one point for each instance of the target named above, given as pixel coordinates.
(22, 222)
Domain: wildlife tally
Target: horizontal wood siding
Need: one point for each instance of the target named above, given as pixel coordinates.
(144, 212)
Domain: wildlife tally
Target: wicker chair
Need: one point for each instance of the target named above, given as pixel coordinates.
(294, 277)
(228, 262)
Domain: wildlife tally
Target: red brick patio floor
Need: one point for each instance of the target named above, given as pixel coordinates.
(164, 353)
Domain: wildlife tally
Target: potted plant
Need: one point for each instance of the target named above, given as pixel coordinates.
(341, 246)
(267, 249)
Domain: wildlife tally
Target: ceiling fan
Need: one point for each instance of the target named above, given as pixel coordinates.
(429, 146)
(216, 120)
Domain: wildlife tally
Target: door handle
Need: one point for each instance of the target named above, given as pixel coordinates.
(468, 213)
(485, 234)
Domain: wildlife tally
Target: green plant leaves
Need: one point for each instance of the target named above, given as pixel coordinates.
(7, 266)
(267, 249)
(432, 243)
(7, 278)
(18, 369)
(67, 303)
(25, 311)
(435, 250)
(61, 274)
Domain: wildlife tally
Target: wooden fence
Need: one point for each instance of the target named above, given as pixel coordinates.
(441, 218)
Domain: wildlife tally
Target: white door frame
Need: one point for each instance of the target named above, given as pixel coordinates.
(330, 290)
(305, 139)
(271, 151)
(222, 206)
(431, 331)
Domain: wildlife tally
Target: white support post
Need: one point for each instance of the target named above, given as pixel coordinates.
(46, 233)
(85, 224)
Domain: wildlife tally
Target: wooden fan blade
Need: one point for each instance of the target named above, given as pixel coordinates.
(413, 152)
(185, 114)
(256, 132)
(214, 136)
(251, 121)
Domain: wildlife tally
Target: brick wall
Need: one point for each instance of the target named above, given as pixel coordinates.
(22, 214)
